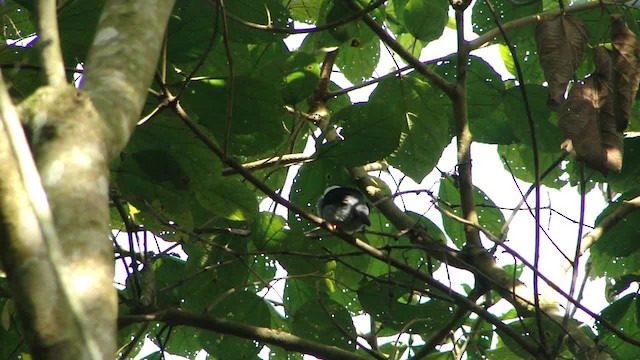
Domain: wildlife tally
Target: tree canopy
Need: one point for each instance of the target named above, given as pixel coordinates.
(127, 122)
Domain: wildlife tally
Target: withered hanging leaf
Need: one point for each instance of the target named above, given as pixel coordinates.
(560, 42)
(590, 135)
(626, 71)
(612, 137)
(579, 121)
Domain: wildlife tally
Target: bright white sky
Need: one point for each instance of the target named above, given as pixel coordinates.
(490, 176)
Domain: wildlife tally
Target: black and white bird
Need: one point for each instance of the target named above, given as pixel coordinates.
(343, 208)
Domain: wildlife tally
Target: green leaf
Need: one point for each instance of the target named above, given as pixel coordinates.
(301, 74)
(325, 321)
(77, 25)
(363, 126)
(268, 231)
(16, 21)
(519, 157)
(167, 167)
(355, 31)
(401, 248)
(227, 197)
(391, 300)
(190, 27)
(308, 11)
(548, 133)
(627, 179)
(244, 307)
(426, 19)
(485, 92)
(358, 60)
(616, 252)
(266, 12)
(256, 114)
(623, 315)
(413, 45)
(489, 215)
(12, 341)
(620, 240)
(482, 19)
(527, 56)
(423, 114)
(528, 330)
(23, 76)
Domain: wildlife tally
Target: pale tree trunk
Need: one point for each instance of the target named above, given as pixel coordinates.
(60, 268)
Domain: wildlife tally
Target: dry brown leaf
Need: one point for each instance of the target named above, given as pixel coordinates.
(560, 43)
(612, 136)
(626, 71)
(579, 121)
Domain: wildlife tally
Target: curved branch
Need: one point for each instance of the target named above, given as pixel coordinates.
(283, 160)
(356, 15)
(265, 335)
(532, 19)
(435, 79)
(627, 207)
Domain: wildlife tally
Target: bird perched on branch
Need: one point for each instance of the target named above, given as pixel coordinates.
(343, 208)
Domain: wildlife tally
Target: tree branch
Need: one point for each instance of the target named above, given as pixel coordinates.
(117, 78)
(49, 39)
(265, 335)
(433, 78)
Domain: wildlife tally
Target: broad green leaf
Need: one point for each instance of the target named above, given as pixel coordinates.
(300, 77)
(489, 215)
(627, 179)
(527, 56)
(12, 342)
(620, 239)
(77, 25)
(308, 11)
(190, 29)
(412, 44)
(268, 231)
(622, 314)
(210, 274)
(416, 13)
(266, 12)
(616, 252)
(326, 322)
(357, 60)
(165, 165)
(22, 74)
(527, 329)
(485, 92)
(244, 307)
(355, 31)
(230, 198)
(186, 342)
(169, 193)
(482, 19)
(255, 121)
(16, 20)
(299, 290)
(364, 125)
(519, 158)
(401, 248)
(393, 300)
(423, 113)
(548, 133)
